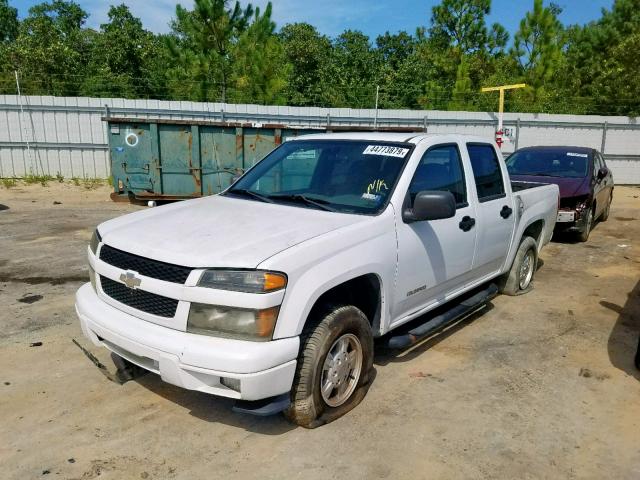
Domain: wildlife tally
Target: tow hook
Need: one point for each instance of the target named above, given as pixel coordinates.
(125, 370)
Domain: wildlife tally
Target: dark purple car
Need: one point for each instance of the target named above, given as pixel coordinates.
(586, 184)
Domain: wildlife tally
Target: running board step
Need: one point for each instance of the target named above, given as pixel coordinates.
(458, 310)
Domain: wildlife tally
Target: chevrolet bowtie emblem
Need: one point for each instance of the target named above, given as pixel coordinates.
(130, 279)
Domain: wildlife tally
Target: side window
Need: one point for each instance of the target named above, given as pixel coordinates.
(440, 169)
(486, 171)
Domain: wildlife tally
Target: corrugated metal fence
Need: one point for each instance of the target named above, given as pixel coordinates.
(68, 135)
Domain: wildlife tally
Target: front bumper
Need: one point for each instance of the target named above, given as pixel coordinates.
(194, 362)
(571, 221)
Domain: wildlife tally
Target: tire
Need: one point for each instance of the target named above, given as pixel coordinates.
(605, 215)
(513, 283)
(637, 360)
(583, 236)
(333, 326)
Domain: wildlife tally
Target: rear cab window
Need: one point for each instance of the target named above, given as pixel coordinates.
(486, 171)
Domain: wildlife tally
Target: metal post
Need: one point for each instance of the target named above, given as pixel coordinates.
(375, 118)
(517, 133)
(23, 128)
(501, 112)
(605, 127)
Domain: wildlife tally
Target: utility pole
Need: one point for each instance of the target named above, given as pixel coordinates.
(24, 126)
(501, 89)
(375, 119)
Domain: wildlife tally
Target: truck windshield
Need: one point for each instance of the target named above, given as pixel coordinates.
(338, 175)
(549, 163)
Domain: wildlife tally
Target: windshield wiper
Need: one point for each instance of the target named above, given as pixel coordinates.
(251, 193)
(298, 197)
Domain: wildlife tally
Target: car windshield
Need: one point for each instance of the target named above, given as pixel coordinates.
(549, 163)
(345, 176)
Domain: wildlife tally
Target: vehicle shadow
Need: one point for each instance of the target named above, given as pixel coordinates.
(385, 356)
(571, 238)
(3, 207)
(214, 409)
(623, 340)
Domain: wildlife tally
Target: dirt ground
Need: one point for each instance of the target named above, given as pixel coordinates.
(536, 386)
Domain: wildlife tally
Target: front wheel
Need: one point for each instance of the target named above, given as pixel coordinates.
(583, 236)
(607, 210)
(520, 277)
(334, 367)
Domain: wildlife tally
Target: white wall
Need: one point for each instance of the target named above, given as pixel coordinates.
(66, 135)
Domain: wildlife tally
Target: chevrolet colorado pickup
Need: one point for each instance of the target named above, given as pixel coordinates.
(273, 292)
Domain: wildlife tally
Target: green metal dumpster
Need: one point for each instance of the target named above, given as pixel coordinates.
(157, 159)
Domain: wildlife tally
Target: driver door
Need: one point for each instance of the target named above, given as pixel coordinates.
(435, 257)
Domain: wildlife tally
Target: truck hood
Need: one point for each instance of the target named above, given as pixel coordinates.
(569, 187)
(219, 231)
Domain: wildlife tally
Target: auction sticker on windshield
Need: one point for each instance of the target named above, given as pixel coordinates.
(582, 155)
(387, 150)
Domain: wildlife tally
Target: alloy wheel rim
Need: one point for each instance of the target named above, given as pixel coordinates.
(341, 370)
(526, 270)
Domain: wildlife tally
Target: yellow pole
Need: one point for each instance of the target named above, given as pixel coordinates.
(501, 110)
(502, 89)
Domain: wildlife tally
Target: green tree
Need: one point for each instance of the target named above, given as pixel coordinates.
(538, 48)
(124, 60)
(226, 53)
(51, 49)
(8, 22)
(354, 71)
(461, 24)
(599, 75)
(309, 53)
(260, 71)
(462, 89)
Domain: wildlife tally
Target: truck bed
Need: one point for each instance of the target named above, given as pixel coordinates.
(518, 186)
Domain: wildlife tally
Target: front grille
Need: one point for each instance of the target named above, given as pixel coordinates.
(139, 299)
(144, 266)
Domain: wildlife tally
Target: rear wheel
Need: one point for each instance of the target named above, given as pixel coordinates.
(519, 279)
(334, 367)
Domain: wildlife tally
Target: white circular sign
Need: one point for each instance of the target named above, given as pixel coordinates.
(131, 139)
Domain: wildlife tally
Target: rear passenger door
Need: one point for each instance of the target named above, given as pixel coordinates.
(495, 211)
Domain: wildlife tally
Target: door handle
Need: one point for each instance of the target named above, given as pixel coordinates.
(467, 223)
(506, 212)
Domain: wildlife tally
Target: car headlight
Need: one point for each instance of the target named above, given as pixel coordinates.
(95, 241)
(248, 281)
(231, 322)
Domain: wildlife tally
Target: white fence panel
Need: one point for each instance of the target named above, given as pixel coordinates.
(67, 135)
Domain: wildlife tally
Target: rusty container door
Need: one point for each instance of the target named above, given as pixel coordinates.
(181, 173)
(219, 158)
(133, 161)
(258, 143)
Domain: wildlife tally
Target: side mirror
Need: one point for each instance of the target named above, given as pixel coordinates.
(430, 205)
(603, 172)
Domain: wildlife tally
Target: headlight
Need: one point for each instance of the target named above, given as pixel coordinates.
(231, 322)
(249, 281)
(95, 241)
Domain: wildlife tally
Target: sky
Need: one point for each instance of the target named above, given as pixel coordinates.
(331, 17)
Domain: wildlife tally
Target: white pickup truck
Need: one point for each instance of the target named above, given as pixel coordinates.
(273, 291)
